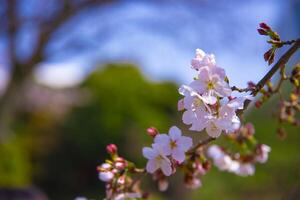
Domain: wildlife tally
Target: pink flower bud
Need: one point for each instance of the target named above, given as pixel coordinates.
(258, 104)
(251, 85)
(250, 129)
(262, 31)
(152, 131)
(264, 26)
(163, 185)
(120, 163)
(111, 149)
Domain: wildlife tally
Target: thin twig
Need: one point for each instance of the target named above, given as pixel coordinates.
(200, 143)
(280, 63)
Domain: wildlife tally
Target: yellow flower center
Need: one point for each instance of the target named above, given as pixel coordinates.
(210, 85)
(197, 102)
(173, 144)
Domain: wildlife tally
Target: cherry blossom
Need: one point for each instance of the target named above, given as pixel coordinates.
(157, 159)
(105, 173)
(210, 85)
(263, 153)
(202, 59)
(174, 144)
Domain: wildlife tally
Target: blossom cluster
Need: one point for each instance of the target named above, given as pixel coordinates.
(115, 173)
(167, 151)
(243, 165)
(208, 101)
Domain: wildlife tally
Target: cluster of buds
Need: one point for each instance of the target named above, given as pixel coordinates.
(295, 76)
(196, 166)
(116, 175)
(264, 29)
(289, 108)
(238, 163)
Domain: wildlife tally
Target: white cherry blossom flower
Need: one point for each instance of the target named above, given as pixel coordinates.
(202, 59)
(174, 144)
(263, 155)
(157, 159)
(210, 85)
(106, 174)
(245, 169)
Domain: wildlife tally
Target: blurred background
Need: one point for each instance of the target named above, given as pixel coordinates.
(76, 75)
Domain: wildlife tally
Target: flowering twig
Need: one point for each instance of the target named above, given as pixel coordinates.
(280, 63)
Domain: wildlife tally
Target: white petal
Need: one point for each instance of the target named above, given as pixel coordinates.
(185, 143)
(162, 139)
(149, 153)
(178, 154)
(213, 131)
(166, 167)
(188, 117)
(152, 166)
(174, 133)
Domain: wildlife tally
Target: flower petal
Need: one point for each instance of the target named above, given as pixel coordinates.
(178, 154)
(149, 153)
(174, 133)
(185, 143)
(166, 167)
(152, 166)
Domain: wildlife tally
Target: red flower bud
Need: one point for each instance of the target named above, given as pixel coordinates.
(269, 56)
(251, 85)
(264, 26)
(152, 131)
(262, 31)
(258, 104)
(111, 149)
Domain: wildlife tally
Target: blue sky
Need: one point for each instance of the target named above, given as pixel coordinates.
(161, 37)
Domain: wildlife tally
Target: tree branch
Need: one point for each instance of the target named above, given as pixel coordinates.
(280, 63)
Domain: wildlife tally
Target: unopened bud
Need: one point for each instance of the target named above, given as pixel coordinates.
(258, 104)
(262, 31)
(269, 56)
(251, 85)
(206, 165)
(163, 184)
(264, 26)
(111, 149)
(250, 129)
(120, 163)
(152, 131)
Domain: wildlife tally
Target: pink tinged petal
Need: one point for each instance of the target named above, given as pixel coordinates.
(215, 152)
(161, 139)
(223, 89)
(213, 130)
(106, 176)
(200, 53)
(219, 71)
(162, 147)
(204, 74)
(178, 154)
(208, 98)
(174, 133)
(198, 85)
(180, 105)
(188, 117)
(152, 166)
(149, 153)
(185, 143)
(166, 167)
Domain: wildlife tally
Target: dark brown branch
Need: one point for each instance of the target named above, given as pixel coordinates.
(280, 63)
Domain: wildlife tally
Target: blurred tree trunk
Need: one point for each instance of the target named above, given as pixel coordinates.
(21, 71)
